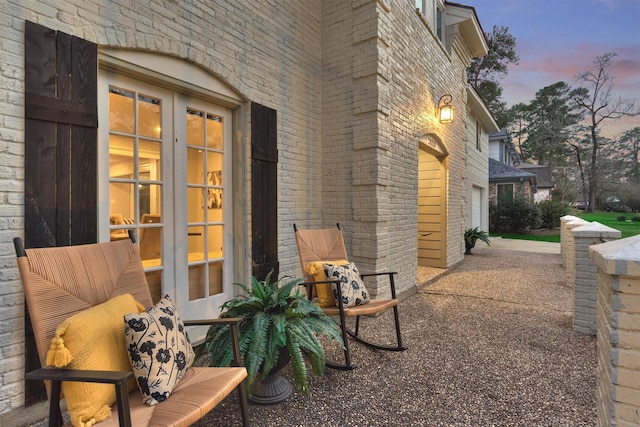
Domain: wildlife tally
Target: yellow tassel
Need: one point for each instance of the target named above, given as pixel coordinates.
(102, 414)
(58, 355)
(311, 268)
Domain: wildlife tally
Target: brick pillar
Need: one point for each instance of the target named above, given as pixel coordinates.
(585, 295)
(569, 246)
(618, 321)
(563, 232)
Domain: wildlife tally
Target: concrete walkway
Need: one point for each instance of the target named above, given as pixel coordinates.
(522, 245)
(427, 275)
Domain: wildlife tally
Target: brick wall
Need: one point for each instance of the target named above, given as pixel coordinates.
(354, 83)
(585, 286)
(269, 52)
(618, 330)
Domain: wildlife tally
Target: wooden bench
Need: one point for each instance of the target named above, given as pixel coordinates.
(62, 281)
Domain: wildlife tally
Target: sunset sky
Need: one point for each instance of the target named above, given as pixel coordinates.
(557, 39)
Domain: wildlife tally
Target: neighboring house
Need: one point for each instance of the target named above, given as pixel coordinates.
(210, 128)
(502, 149)
(504, 177)
(544, 180)
(507, 181)
(480, 124)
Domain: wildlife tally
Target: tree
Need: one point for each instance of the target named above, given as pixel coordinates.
(629, 154)
(518, 123)
(599, 105)
(484, 71)
(551, 119)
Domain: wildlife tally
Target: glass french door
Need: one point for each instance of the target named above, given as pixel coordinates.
(204, 161)
(169, 182)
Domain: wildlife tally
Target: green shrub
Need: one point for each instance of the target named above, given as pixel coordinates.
(517, 215)
(622, 218)
(551, 211)
(636, 219)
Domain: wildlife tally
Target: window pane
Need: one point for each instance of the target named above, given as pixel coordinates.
(151, 242)
(214, 166)
(196, 281)
(195, 127)
(121, 156)
(195, 166)
(149, 117)
(214, 205)
(154, 279)
(149, 160)
(121, 198)
(215, 241)
(121, 114)
(196, 243)
(196, 203)
(150, 198)
(215, 278)
(214, 132)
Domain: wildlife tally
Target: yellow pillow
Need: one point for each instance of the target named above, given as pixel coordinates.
(325, 294)
(93, 339)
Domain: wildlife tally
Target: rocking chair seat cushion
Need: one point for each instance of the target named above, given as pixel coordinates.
(159, 350)
(316, 271)
(352, 287)
(92, 339)
(374, 306)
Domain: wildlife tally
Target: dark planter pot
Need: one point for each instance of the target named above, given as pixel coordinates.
(468, 246)
(275, 388)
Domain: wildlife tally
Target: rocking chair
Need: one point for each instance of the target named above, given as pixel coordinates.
(316, 247)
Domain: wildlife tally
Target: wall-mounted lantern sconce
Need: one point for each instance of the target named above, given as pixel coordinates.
(445, 109)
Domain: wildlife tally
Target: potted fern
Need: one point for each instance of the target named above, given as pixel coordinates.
(280, 324)
(471, 236)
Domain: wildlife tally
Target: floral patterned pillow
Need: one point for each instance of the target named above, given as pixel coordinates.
(159, 349)
(351, 285)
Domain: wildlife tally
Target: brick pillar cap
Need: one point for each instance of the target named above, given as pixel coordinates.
(596, 229)
(618, 257)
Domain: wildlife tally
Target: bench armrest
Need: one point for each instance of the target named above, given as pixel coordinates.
(233, 323)
(57, 375)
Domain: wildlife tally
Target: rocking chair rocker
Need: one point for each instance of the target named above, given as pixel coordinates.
(326, 246)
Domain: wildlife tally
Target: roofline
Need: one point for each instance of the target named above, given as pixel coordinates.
(481, 110)
(471, 27)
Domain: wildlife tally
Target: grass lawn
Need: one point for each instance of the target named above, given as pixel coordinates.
(555, 238)
(628, 228)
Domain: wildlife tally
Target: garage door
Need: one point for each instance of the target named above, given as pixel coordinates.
(476, 207)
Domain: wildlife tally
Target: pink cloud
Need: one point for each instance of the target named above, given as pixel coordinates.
(540, 68)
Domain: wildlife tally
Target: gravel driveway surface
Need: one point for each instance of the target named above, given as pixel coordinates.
(490, 343)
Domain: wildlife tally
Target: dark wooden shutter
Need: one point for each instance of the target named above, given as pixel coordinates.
(264, 191)
(61, 121)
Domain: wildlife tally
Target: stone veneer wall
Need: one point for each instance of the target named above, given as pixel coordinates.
(618, 376)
